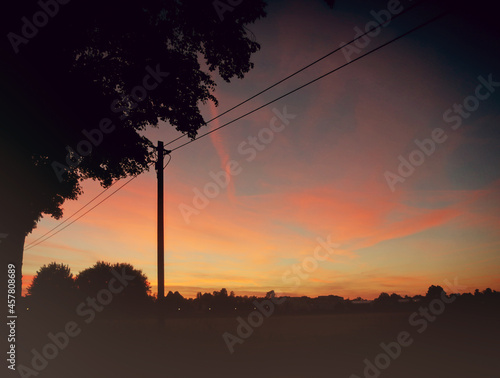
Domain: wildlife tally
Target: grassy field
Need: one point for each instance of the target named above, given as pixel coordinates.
(454, 345)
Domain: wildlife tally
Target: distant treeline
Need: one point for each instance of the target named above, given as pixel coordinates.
(222, 302)
(122, 287)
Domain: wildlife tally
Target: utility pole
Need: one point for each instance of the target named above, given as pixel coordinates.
(160, 231)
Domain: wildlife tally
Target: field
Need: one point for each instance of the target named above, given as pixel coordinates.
(454, 345)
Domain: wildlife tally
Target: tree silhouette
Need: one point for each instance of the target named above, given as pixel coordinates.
(270, 294)
(488, 293)
(395, 297)
(221, 301)
(221, 294)
(91, 280)
(204, 301)
(53, 285)
(174, 301)
(383, 298)
(77, 93)
(434, 292)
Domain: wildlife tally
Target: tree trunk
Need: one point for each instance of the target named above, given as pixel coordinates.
(11, 256)
(11, 252)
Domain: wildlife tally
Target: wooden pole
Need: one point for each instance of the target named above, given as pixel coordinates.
(160, 231)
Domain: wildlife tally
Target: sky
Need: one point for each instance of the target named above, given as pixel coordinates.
(325, 200)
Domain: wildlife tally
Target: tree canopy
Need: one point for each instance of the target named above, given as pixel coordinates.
(52, 280)
(78, 91)
(91, 280)
(52, 289)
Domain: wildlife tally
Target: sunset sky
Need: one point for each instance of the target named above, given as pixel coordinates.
(324, 174)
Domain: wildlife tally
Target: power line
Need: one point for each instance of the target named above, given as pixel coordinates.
(305, 67)
(35, 243)
(168, 162)
(314, 80)
(71, 216)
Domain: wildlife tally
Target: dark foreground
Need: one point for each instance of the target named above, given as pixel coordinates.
(455, 344)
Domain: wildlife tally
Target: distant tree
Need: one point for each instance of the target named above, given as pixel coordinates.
(203, 302)
(467, 298)
(91, 280)
(51, 279)
(434, 292)
(383, 297)
(395, 297)
(492, 297)
(222, 301)
(270, 294)
(53, 284)
(385, 300)
(177, 296)
(174, 301)
(488, 293)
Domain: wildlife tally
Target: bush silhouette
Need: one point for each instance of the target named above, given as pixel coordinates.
(99, 277)
(52, 286)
